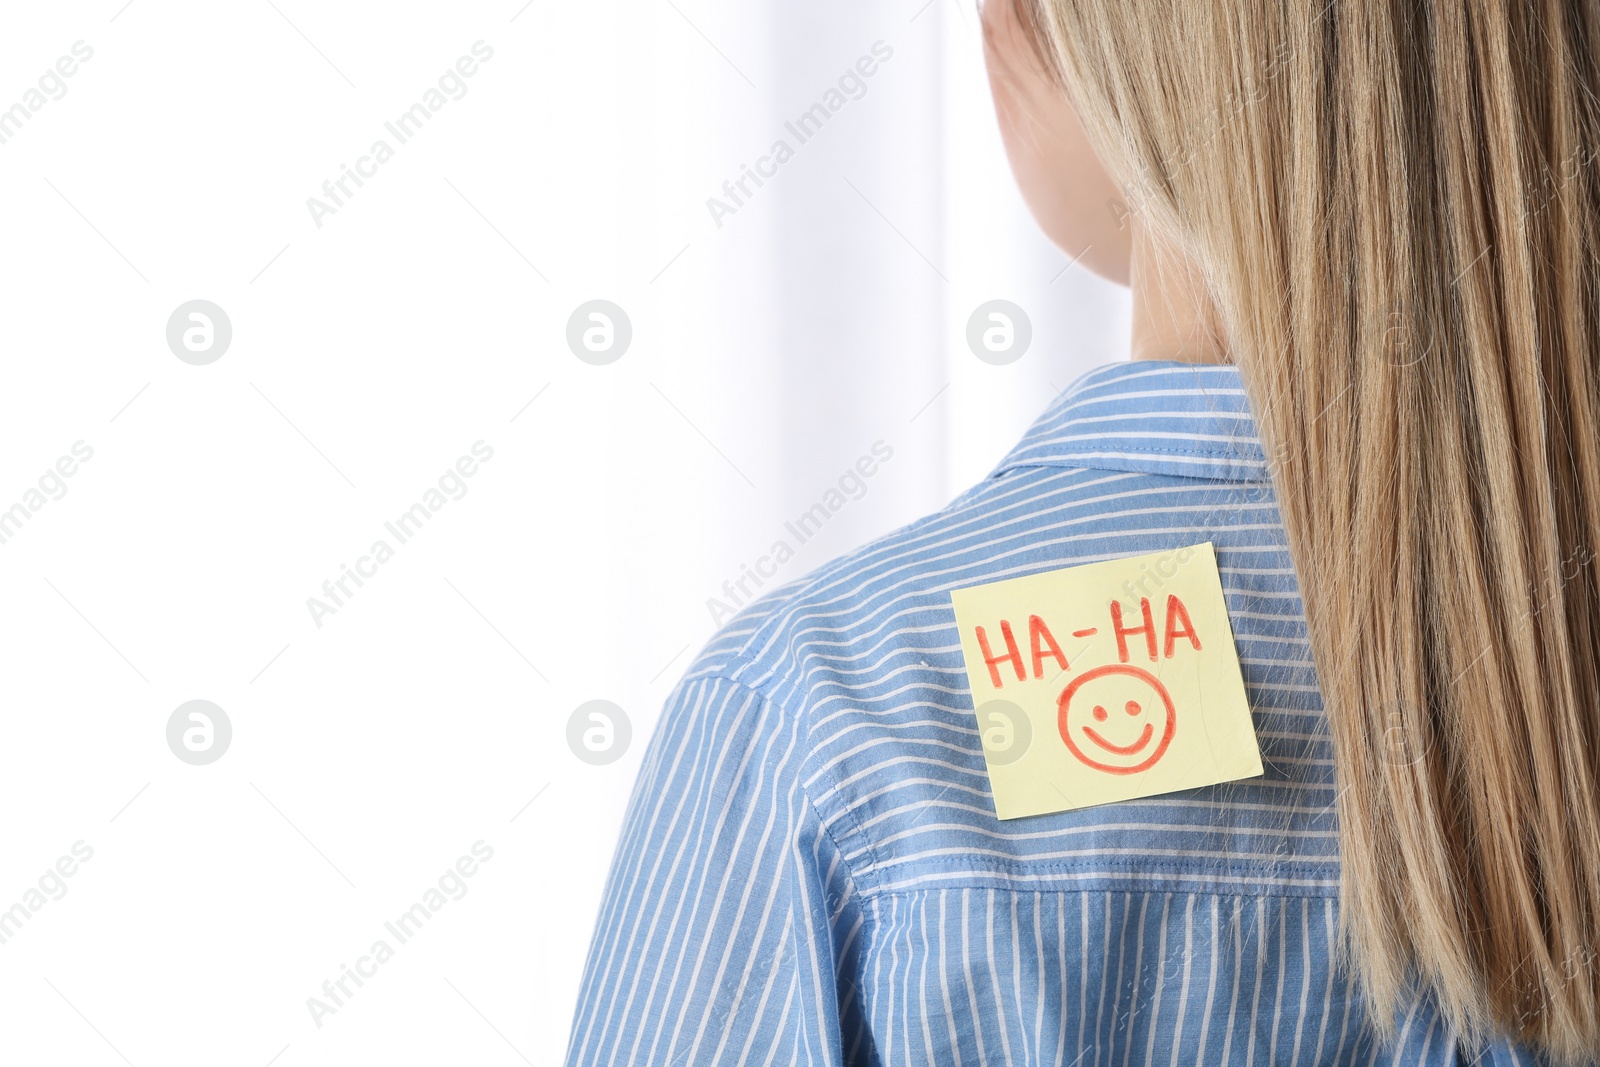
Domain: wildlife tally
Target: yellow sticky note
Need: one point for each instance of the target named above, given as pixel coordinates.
(1106, 682)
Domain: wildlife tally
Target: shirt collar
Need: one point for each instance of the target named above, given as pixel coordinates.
(1155, 416)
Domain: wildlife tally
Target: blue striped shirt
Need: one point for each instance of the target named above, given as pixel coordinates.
(811, 870)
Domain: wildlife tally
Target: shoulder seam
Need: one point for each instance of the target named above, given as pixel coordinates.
(724, 673)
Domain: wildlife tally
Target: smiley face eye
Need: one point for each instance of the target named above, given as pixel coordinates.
(1100, 713)
(1132, 707)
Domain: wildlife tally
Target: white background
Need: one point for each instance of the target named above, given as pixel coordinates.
(428, 313)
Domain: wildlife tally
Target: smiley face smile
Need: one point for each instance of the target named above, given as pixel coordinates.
(1133, 708)
(1122, 750)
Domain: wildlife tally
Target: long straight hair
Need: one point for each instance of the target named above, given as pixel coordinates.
(1396, 208)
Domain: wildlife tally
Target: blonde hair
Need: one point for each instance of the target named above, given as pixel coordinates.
(1395, 208)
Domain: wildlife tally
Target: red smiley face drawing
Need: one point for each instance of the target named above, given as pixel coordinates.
(1117, 718)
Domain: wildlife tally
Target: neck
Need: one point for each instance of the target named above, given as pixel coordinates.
(1173, 315)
